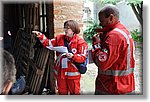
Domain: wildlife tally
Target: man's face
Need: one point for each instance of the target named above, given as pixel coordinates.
(104, 21)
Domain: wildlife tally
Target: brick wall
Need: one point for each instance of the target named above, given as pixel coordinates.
(67, 10)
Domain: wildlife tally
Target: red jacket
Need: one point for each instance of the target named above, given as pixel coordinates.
(78, 47)
(114, 56)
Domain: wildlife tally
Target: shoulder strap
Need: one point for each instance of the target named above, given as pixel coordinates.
(67, 45)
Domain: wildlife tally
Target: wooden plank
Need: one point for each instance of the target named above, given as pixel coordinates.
(38, 76)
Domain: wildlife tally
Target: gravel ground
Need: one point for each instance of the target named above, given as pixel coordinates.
(88, 79)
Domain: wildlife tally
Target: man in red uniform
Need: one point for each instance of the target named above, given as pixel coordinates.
(113, 53)
(65, 71)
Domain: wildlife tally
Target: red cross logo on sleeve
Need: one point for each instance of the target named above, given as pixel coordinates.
(102, 56)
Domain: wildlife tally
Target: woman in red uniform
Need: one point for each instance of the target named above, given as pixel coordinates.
(66, 73)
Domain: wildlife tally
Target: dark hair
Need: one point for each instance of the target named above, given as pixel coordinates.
(110, 9)
(73, 26)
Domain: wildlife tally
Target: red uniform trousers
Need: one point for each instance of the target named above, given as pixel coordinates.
(68, 85)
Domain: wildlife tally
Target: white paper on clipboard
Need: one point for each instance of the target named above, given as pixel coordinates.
(62, 49)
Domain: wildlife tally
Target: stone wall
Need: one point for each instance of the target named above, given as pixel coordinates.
(67, 10)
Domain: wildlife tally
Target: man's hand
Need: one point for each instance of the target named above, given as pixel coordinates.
(96, 38)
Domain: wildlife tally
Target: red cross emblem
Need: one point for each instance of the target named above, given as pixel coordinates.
(102, 56)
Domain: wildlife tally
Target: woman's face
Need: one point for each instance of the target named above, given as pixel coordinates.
(68, 31)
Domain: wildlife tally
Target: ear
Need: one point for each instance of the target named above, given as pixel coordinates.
(111, 17)
(7, 88)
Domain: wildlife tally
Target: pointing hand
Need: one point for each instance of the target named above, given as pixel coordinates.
(37, 33)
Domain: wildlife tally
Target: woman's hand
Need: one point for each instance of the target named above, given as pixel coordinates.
(37, 33)
(69, 55)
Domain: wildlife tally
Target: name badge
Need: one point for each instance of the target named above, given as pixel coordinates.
(64, 63)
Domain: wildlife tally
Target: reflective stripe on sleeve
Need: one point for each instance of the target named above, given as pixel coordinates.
(121, 72)
(72, 73)
(44, 38)
(117, 72)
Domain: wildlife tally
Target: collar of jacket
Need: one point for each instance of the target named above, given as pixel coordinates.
(69, 38)
(108, 27)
